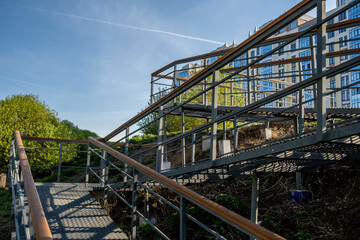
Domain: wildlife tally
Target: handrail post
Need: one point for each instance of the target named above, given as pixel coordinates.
(160, 149)
(134, 209)
(182, 218)
(102, 168)
(59, 167)
(87, 165)
(321, 67)
(106, 178)
(236, 134)
(214, 108)
(126, 152)
(193, 148)
(183, 150)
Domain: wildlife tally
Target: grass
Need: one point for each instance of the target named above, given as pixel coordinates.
(7, 224)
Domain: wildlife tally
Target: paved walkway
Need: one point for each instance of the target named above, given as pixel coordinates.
(72, 213)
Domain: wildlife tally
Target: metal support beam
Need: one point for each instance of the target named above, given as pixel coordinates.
(102, 168)
(254, 197)
(152, 91)
(236, 134)
(146, 204)
(87, 165)
(182, 218)
(298, 180)
(106, 178)
(301, 93)
(126, 151)
(214, 109)
(183, 150)
(159, 152)
(133, 205)
(193, 147)
(60, 157)
(174, 81)
(321, 67)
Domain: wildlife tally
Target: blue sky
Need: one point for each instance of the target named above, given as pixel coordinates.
(91, 60)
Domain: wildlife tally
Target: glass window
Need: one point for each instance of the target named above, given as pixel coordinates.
(342, 30)
(344, 81)
(331, 21)
(293, 47)
(281, 51)
(304, 42)
(331, 60)
(354, 12)
(331, 47)
(332, 84)
(342, 16)
(293, 25)
(266, 49)
(281, 30)
(331, 34)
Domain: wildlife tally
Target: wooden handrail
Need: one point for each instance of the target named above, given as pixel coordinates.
(38, 218)
(192, 196)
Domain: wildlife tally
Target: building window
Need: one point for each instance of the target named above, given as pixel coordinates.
(343, 41)
(331, 21)
(344, 81)
(281, 30)
(342, 16)
(342, 30)
(331, 60)
(354, 12)
(266, 49)
(331, 47)
(293, 25)
(345, 95)
(281, 73)
(332, 84)
(293, 47)
(344, 57)
(304, 42)
(252, 53)
(281, 51)
(331, 34)
(343, 2)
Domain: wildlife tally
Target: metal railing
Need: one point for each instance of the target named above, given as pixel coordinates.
(311, 90)
(134, 169)
(30, 220)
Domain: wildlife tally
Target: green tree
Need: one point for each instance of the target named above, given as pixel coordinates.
(32, 117)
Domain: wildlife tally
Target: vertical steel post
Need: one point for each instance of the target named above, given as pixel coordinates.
(298, 180)
(152, 90)
(214, 109)
(254, 197)
(182, 218)
(301, 119)
(313, 63)
(224, 128)
(174, 81)
(254, 87)
(321, 67)
(87, 165)
(236, 133)
(193, 147)
(106, 178)
(248, 86)
(183, 153)
(225, 95)
(146, 204)
(127, 131)
(60, 157)
(164, 140)
(232, 94)
(102, 167)
(133, 205)
(159, 152)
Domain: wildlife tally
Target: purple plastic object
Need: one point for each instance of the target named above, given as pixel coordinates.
(299, 195)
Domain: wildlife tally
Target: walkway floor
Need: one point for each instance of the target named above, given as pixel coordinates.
(72, 213)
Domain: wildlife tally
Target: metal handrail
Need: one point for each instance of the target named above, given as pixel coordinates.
(38, 218)
(223, 213)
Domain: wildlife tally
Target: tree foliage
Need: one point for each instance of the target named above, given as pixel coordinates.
(32, 117)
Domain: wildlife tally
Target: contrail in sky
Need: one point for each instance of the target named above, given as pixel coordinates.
(45, 87)
(123, 25)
